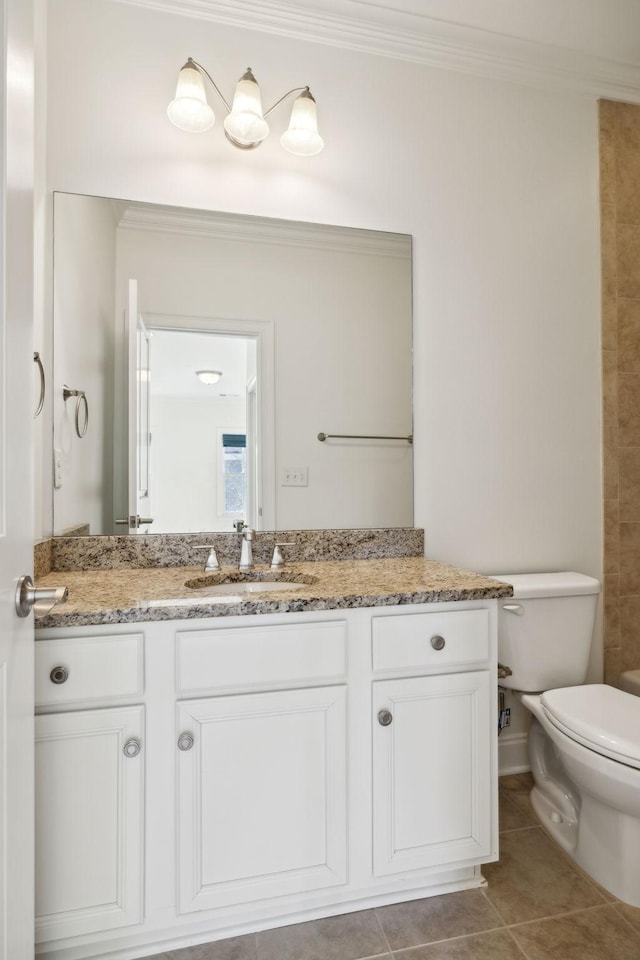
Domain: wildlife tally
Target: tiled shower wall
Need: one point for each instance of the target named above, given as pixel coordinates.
(620, 231)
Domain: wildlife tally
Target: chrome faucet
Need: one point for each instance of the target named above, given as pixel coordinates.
(246, 552)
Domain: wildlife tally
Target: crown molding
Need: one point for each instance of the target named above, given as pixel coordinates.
(238, 227)
(367, 27)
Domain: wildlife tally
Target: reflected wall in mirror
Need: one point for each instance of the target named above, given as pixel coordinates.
(309, 327)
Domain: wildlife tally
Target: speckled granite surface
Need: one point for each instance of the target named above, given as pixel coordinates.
(42, 559)
(136, 595)
(180, 550)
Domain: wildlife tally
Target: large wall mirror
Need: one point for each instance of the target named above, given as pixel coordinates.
(198, 356)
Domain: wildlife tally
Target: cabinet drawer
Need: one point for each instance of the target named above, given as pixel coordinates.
(409, 642)
(88, 668)
(260, 657)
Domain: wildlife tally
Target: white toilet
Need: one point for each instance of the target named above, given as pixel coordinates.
(584, 743)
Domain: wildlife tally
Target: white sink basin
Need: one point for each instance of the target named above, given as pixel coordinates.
(245, 586)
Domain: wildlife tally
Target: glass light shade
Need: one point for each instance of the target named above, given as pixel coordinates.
(208, 376)
(189, 110)
(302, 137)
(245, 125)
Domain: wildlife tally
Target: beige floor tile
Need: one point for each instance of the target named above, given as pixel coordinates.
(437, 918)
(595, 934)
(236, 948)
(496, 945)
(513, 813)
(348, 937)
(516, 783)
(533, 879)
(516, 788)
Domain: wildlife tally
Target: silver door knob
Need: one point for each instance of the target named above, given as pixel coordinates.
(185, 741)
(132, 747)
(27, 596)
(437, 642)
(59, 675)
(384, 717)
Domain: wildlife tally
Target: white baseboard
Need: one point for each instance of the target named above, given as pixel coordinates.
(513, 756)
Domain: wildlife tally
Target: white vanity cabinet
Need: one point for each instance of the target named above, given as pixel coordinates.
(261, 773)
(273, 793)
(432, 756)
(89, 785)
(262, 796)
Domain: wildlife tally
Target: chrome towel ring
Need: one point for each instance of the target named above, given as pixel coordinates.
(36, 359)
(81, 404)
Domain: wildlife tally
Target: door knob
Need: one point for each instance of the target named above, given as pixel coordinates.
(42, 598)
(385, 717)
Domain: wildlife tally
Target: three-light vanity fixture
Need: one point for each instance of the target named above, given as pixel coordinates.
(245, 125)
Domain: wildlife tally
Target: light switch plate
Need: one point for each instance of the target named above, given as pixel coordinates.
(295, 477)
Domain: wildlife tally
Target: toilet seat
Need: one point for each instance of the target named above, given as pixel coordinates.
(602, 718)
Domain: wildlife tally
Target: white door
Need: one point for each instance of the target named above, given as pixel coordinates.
(89, 816)
(139, 431)
(432, 771)
(254, 511)
(16, 482)
(261, 796)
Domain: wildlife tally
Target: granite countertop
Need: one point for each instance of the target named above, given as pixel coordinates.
(158, 593)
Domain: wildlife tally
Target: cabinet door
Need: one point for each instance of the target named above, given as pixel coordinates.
(262, 796)
(89, 796)
(432, 779)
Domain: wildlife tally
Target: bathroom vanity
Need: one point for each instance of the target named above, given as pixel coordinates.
(208, 767)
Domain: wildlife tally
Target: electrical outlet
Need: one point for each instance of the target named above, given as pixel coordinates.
(295, 477)
(57, 469)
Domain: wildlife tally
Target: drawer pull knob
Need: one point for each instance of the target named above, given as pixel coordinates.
(132, 748)
(437, 642)
(59, 675)
(185, 741)
(384, 717)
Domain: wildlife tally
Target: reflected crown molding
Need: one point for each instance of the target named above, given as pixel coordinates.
(375, 29)
(227, 226)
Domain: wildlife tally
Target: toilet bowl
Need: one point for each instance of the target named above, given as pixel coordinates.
(584, 742)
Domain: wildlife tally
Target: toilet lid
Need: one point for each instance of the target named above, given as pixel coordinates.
(602, 718)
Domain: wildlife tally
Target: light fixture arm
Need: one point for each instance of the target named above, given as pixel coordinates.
(284, 97)
(205, 73)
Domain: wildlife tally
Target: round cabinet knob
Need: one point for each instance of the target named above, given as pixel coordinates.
(437, 642)
(185, 741)
(384, 717)
(59, 675)
(132, 748)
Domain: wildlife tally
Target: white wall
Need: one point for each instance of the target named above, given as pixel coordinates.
(84, 303)
(185, 451)
(496, 182)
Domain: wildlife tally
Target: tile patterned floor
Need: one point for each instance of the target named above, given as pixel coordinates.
(538, 906)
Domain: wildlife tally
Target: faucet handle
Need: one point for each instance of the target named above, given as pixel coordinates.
(277, 560)
(211, 563)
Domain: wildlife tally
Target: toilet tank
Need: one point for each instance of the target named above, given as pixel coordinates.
(545, 631)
